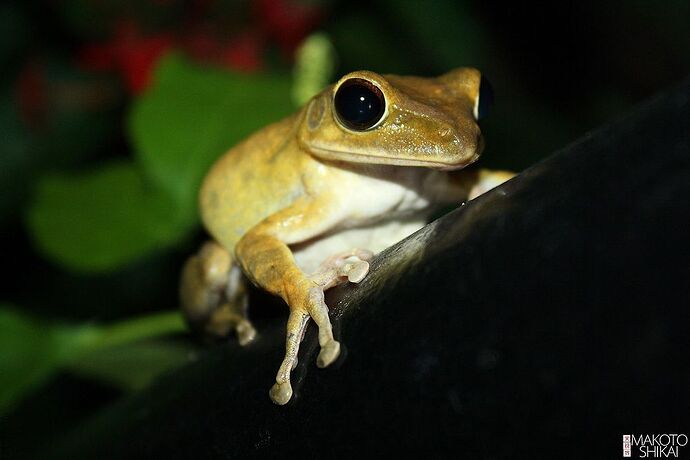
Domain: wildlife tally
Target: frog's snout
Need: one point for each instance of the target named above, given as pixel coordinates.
(459, 149)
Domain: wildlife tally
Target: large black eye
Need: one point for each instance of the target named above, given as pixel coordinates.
(359, 104)
(486, 98)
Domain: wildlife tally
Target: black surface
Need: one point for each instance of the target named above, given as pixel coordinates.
(544, 319)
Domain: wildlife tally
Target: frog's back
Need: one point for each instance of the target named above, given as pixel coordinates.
(253, 180)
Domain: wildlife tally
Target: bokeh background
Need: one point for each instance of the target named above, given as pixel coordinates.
(111, 111)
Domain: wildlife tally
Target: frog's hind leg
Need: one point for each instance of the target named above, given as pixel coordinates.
(232, 314)
(466, 185)
(213, 294)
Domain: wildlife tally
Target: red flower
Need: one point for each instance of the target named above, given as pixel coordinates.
(129, 53)
(243, 53)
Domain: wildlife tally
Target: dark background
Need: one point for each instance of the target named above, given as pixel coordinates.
(72, 70)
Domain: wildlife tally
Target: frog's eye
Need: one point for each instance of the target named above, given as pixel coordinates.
(359, 104)
(485, 99)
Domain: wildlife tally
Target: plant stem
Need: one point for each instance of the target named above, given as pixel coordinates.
(133, 330)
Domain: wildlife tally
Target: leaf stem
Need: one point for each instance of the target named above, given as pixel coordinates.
(134, 330)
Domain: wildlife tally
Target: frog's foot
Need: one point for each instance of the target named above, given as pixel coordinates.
(213, 296)
(350, 266)
(203, 281)
(306, 301)
(245, 332)
(226, 318)
(232, 313)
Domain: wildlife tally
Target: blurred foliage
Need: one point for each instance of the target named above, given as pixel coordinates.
(111, 112)
(314, 68)
(133, 366)
(46, 113)
(105, 218)
(32, 350)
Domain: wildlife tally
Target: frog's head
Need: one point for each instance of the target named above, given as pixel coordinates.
(387, 119)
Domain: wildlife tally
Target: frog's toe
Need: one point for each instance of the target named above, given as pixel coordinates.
(245, 332)
(281, 393)
(363, 254)
(330, 348)
(356, 271)
(350, 266)
(329, 353)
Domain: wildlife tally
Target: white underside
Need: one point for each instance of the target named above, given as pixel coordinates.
(310, 255)
(376, 213)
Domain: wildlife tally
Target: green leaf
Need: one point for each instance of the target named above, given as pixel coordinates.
(192, 115)
(31, 351)
(99, 220)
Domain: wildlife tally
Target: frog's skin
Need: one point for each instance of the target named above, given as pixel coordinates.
(303, 204)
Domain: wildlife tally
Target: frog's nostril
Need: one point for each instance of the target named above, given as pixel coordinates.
(446, 134)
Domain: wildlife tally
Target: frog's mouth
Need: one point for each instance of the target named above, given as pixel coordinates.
(351, 157)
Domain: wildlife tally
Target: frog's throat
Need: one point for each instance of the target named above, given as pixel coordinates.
(338, 155)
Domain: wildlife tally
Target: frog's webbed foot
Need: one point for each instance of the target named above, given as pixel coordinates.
(214, 299)
(350, 266)
(229, 316)
(306, 301)
(232, 314)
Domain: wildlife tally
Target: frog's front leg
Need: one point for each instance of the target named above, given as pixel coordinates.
(466, 185)
(213, 296)
(267, 260)
(486, 179)
(350, 266)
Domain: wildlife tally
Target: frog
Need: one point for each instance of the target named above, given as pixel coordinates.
(305, 203)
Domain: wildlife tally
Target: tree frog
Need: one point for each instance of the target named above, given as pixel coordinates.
(305, 203)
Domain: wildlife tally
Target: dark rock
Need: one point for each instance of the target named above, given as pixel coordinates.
(546, 319)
